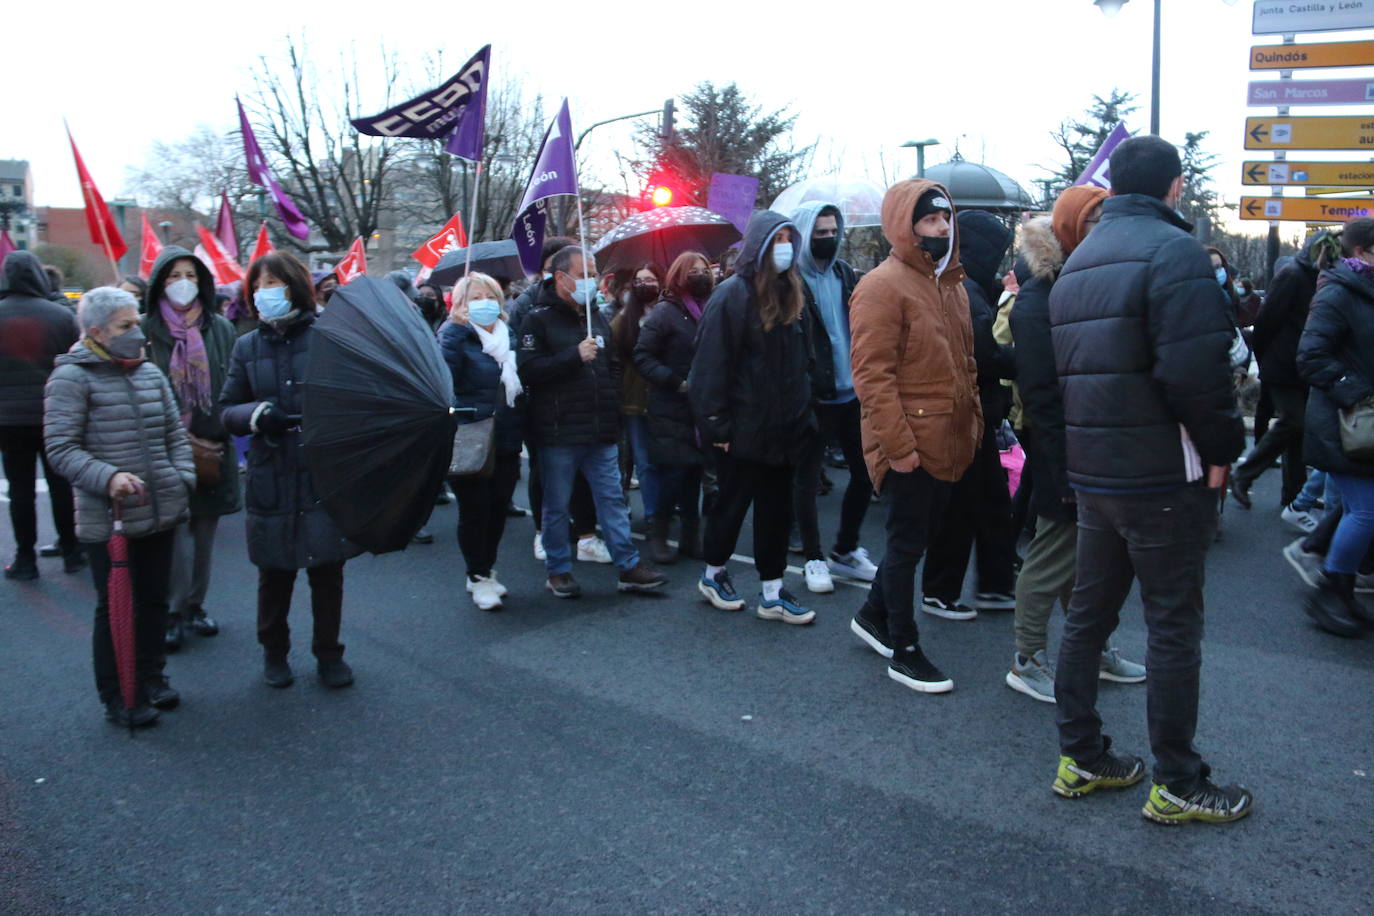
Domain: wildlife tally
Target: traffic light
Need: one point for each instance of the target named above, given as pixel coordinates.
(661, 196)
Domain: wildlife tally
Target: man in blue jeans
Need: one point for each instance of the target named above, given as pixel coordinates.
(573, 383)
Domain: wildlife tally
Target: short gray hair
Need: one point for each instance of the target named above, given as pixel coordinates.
(563, 259)
(101, 304)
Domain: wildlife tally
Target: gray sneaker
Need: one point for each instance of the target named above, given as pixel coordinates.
(1307, 565)
(1116, 668)
(1032, 676)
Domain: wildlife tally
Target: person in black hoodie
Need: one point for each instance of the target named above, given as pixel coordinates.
(750, 391)
(1142, 341)
(33, 332)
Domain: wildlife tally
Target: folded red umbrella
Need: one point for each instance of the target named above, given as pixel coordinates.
(120, 596)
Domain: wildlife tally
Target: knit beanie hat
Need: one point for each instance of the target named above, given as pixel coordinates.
(930, 202)
(1071, 210)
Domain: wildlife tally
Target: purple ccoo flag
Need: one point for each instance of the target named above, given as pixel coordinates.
(224, 227)
(260, 174)
(555, 173)
(1099, 172)
(457, 108)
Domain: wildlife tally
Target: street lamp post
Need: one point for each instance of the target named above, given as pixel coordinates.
(920, 146)
(166, 227)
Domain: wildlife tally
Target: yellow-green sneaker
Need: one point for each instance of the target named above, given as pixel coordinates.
(1208, 803)
(1112, 771)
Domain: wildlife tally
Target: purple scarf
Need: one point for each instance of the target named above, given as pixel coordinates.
(1360, 267)
(692, 307)
(189, 371)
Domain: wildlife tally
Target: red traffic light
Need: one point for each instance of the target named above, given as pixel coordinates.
(662, 196)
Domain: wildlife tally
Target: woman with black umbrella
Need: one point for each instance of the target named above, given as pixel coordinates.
(288, 529)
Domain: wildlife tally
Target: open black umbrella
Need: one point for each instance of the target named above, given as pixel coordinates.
(499, 260)
(377, 427)
(660, 235)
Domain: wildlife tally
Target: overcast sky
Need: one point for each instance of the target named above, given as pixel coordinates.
(992, 75)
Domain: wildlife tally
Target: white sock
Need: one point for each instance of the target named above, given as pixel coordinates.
(712, 570)
(772, 588)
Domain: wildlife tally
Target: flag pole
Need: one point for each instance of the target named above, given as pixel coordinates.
(472, 220)
(104, 240)
(582, 239)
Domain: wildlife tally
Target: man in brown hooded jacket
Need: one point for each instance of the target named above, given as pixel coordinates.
(914, 374)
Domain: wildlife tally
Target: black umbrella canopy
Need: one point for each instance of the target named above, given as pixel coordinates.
(661, 234)
(377, 428)
(499, 260)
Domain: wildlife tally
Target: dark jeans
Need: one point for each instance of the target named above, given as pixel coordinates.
(482, 505)
(581, 507)
(1284, 437)
(769, 488)
(839, 423)
(326, 605)
(680, 490)
(1160, 540)
(22, 447)
(978, 513)
(150, 573)
(912, 500)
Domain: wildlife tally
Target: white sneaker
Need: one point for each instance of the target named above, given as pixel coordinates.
(539, 547)
(484, 594)
(1302, 519)
(818, 578)
(501, 591)
(592, 550)
(855, 565)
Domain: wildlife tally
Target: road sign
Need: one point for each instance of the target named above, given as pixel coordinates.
(1326, 54)
(1311, 92)
(1333, 192)
(1284, 17)
(1329, 174)
(1306, 209)
(1338, 132)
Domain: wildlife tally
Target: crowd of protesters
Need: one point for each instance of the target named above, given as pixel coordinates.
(1101, 337)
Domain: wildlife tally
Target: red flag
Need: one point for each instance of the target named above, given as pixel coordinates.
(450, 238)
(354, 264)
(224, 227)
(263, 246)
(98, 219)
(222, 266)
(149, 250)
(6, 244)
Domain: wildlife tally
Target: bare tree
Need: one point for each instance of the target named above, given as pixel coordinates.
(187, 176)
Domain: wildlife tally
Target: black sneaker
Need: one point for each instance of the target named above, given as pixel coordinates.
(1207, 804)
(872, 632)
(950, 610)
(201, 623)
(74, 561)
(140, 716)
(911, 668)
(51, 550)
(23, 569)
(335, 673)
(160, 693)
(563, 585)
(175, 635)
(277, 672)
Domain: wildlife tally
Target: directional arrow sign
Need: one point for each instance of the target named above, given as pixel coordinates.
(1340, 132)
(1321, 174)
(1284, 17)
(1306, 209)
(1311, 92)
(1326, 54)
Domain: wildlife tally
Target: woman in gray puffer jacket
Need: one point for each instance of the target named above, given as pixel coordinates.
(112, 427)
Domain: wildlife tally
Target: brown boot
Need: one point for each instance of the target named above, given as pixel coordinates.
(641, 578)
(659, 550)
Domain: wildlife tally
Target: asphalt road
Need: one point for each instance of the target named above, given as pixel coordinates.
(625, 754)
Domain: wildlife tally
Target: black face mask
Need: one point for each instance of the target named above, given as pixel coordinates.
(937, 247)
(825, 249)
(645, 293)
(699, 287)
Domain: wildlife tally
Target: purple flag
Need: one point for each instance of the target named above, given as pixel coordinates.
(555, 172)
(1098, 171)
(457, 108)
(732, 196)
(224, 227)
(260, 174)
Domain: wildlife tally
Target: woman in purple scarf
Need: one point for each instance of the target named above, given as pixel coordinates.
(190, 341)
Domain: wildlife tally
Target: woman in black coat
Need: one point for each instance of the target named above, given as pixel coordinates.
(288, 529)
(480, 352)
(1336, 358)
(663, 355)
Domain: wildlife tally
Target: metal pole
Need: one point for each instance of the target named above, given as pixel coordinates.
(921, 161)
(472, 221)
(1154, 79)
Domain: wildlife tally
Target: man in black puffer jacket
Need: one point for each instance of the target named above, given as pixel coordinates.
(573, 381)
(1141, 340)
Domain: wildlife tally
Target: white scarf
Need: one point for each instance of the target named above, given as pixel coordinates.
(496, 344)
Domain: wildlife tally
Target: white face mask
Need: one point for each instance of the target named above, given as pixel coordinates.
(182, 291)
(782, 255)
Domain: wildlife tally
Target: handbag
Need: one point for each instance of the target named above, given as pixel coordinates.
(207, 455)
(474, 449)
(1357, 431)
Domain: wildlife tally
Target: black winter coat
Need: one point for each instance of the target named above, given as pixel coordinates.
(1281, 320)
(34, 331)
(749, 387)
(287, 527)
(570, 402)
(1336, 357)
(477, 384)
(663, 355)
(1142, 342)
(983, 243)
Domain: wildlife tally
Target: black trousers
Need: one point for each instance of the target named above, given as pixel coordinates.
(326, 605)
(680, 488)
(769, 488)
(912, 500)
(1161, 541)
(581, 507)
(978, 513)
(482, 513)
(1283, 437)
(839, 423)
(22, 448)
(150, 573)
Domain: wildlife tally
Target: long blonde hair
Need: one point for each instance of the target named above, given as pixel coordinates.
(469, 288)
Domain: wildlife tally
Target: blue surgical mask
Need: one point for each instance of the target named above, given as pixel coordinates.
(586, 291)
(1221, 275)
(782, 255)
(484, 312)
(272, 303)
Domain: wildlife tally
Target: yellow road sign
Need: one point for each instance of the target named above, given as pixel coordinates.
(1328, 192)
(1306, 209)
(1339, 132)
(1324, 174)
(1325, 54)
